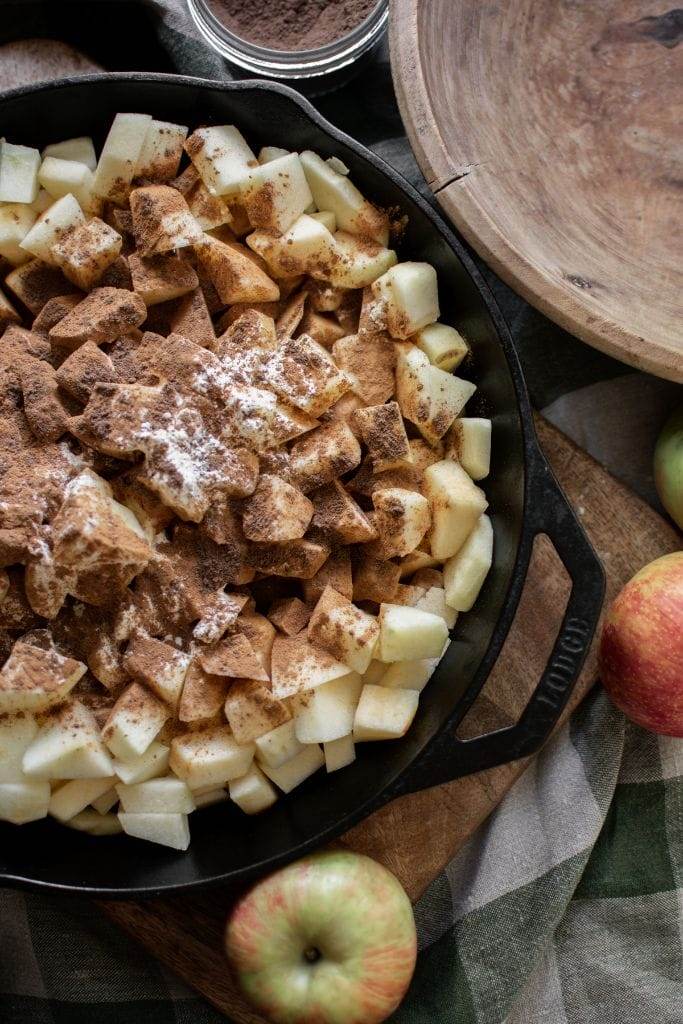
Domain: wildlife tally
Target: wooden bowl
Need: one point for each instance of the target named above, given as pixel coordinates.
(549, 131)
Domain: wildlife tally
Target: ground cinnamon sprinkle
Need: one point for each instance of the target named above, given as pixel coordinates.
(291, 24)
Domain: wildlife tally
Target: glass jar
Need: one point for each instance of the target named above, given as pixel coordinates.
(314, 70)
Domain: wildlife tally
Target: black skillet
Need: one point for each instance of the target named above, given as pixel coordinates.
(524, 496)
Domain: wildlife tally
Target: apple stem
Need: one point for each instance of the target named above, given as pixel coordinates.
(312, 955)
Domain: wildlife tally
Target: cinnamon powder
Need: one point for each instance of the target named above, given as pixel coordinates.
(291, 24)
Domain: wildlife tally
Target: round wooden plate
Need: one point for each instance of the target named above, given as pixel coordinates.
(550, 132)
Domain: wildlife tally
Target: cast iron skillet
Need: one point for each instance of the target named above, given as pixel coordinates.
(524, 497)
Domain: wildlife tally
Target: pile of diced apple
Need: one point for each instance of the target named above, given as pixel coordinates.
(367, 480)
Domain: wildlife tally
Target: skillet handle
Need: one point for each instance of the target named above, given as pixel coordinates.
(547, 511)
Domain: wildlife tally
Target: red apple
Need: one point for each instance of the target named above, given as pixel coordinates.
(327, 940)
(641, 649)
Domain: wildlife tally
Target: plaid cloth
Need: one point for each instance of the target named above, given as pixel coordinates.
(566, 906)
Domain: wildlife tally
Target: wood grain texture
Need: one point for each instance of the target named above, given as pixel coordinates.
(418, 834)
(549, 131)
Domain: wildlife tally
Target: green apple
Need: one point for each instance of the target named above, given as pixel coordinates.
(329, 939)
(668, 466)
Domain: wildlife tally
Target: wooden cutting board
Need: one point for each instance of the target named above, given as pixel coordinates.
(418, 834)
(549, 131)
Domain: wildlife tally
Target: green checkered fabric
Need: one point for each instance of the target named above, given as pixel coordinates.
(566, 906)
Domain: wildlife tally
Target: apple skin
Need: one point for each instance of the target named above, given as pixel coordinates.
(668, 466)
(641, 648)
(348, 908)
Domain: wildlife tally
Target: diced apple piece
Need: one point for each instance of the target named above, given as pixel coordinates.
(203, 694)
(101, 317)
(104, 803)
(161, 151)
(408, 634)
(427, 578)
(209, 211)
(157, 796)
(276, 511)
(222, 157)
(209, 797)
(234, 275)
(456, 504)
(119, 156)
(469, 443)
(210, 757)
(165, 829)
(191, 319)
(8, 314)
(420, 558)
(80, 149)
(162, 220)
(306, 247)
(409, 675)
(423, 454)
(233, 657)
(95, 824)
(434, 600)
(384, 714)
(339, 753)
(150, 765)
(279, 745)
(33, 679)
(333, 191)
(336, 572)
(41, 202)
(73, 797)
(357, 263)
(18, 173)
(369, 361)
(276, 193)
(344, 631)
(252, 793)
(408, 595)
(304, 374)
(290, 615)
(327, 218)
(327, 712)
(374, 671)
(161, 278)
(17, 732)
(465, 572)
(68, 746)
(134, 722)
(324, 454)
(158, 665)
(402, 518)
(375, 579)
(298, 559)
(339, 517)
(24, 801)
(297, 665)
(84, 254)
(16, 220)
(260, 633)
(61, 177)
(293, 772)
(410, 295)
(64, 215)
(252, 710)
(268, 153)
(443, 345)
(430, 398)
(384, 433)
